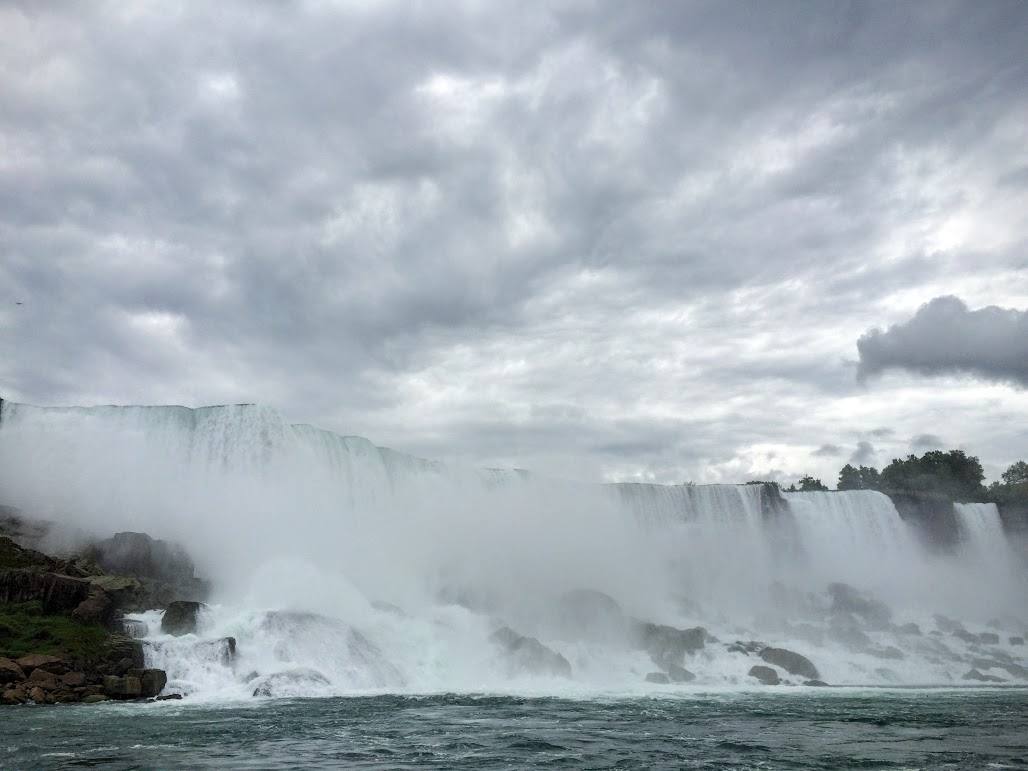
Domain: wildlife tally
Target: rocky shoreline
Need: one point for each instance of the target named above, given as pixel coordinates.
(63, 637)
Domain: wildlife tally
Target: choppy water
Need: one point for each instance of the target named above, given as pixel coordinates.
(835, 729)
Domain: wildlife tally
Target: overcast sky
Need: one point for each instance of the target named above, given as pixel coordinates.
(639, 241)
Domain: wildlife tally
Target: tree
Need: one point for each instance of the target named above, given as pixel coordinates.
(1017, 474)
(954, 474)
(863, 478)
(809, 484)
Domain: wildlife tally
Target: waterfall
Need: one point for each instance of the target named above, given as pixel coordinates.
(344, 567)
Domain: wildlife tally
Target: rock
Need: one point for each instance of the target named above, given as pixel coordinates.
(169, 697)
(96, 608)
(123, 687)
(180, 617)
(910, 628)
(845, 629)
(297, 682)
(793, 663)
(164, 569)
(12, 698)
(74, 679)
(847, 599)
(10, 672)
(988, 638)
(679, 674)
(527, 654)
(668, 645)
(119, 647)
(46, 680)
(974, 674)
(222, 649)
(123, 666)
(133, 628)
(58, 594)
(1016, 641)
(766, 675)
(95, 698)
(37, 695)
(963, 634)
(947, 625)
(588, 614)
(152, 681)
(816, 683)
(658, 677)
(56, 664)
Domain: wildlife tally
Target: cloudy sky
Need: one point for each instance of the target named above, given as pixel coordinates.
(628, 241)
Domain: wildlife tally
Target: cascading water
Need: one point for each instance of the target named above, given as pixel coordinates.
(341, 567)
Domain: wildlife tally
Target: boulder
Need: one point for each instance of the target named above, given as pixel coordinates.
(845, 629)
(968, 637)
(96, 608)
(119, 647)
(180, 617)
(679, 674)
(847, 599)
(151, 681)
(123, 687)
(56, 664)
(58, 594)
(74, 679)
(816, 683)
(296, 682)
(791, 662)
(888, 652)
(946, 625)
(37, 695)
(94, 698)
(526, 654)
(668, 645)
(1016, 640)
(910, 628)
(10, 671)
(658, 677)
(592, 615)
(46, 680)
(766, 675)
(988, 638)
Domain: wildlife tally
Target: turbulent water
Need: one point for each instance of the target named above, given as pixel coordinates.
(346, 570)
(895, 730)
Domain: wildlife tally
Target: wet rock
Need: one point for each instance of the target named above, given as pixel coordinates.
(58, 594)
(37, 695)
(133, 628)
(180, 617)
(910, 628)
(46, 680)
(588, 614)
(766, 675)
(679, 674)
(816, 683)
(151, 681)
(123, 666)
(10, 672)
(119, 647)
(847, 599)
(947, 625)
(668, 645)
(974, 674)
(845, 629)
(963, 634)
(122, 687)
(95, 698)
(169, 697)
(297, 682)
(1016, 640)
(658, 677)
(791, 662)
(988, 638)
(526, 654)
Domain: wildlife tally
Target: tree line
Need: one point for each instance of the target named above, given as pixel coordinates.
(954, 474)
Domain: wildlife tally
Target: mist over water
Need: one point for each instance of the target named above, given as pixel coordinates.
(341, 567)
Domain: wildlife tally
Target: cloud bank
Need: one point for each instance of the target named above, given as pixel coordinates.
(945, 337)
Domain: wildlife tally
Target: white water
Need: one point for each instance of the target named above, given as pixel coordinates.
(288, 518)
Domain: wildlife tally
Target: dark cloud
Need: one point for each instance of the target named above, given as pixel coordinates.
(864, 455)
(923, 442)
(828, 451)
(944, 337)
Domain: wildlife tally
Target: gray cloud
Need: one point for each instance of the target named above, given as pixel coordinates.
(864, 455)
(626, 242)
(828, 451)
(945, 337)
(923, 442)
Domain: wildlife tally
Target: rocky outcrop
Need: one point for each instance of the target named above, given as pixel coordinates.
(846, 599)
(164, 571)
(180, 617)
(766, 675)
(667, 645)
(791, 662)
(588, 614)
(932, 517)
(528, 655)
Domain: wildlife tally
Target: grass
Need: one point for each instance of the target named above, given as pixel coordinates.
(25, 629)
